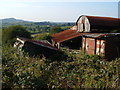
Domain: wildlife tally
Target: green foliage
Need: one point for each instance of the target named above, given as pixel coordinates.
(42, 36)
(73, 71)
(55, 29)
(9, 34)
(22, 72)
(84, 72)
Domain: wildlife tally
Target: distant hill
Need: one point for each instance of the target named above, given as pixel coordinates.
(12, 20)
(35, 27)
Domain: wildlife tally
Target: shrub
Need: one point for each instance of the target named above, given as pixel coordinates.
(9, 34)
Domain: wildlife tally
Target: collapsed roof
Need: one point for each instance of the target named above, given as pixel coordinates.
(35, 47)
(37, 42)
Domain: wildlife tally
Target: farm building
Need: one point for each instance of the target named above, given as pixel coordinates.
(85, 24)
(97, 24)
(35, 47)
(107, 44)
(92, 34)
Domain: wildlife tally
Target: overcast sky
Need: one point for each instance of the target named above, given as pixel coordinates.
(55, 11)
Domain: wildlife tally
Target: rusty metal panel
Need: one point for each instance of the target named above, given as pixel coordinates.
(107, 22)
(101, 35)
(89, 45)
(100, 47)
(66, 35)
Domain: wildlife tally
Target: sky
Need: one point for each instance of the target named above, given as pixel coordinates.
(34, 10)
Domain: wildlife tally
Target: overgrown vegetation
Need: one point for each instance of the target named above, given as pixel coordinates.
(72, 71)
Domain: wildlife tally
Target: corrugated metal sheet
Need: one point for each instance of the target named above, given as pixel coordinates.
(41, 43)
(92, 46)
(100, 35)
(96, 22)
(69, 34)
(66, 35)
(104, 22)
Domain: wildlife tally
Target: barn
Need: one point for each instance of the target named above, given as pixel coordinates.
(105, 44)
(85, 24)
(97, 24)
(93, 34)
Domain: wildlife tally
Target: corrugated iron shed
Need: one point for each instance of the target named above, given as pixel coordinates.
(89, 23)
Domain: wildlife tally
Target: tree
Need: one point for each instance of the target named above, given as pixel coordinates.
(9, 34)
(56, 29)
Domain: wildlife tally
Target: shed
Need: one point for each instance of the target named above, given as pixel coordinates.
(105, 44)
(96, 23)
(35, 47)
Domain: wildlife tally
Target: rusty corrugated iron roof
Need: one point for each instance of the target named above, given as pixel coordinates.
(66, 35)
(41, 43)
(100, 35)
(70, 34)
(102, 22)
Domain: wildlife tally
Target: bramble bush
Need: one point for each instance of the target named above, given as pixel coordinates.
(72, 71)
